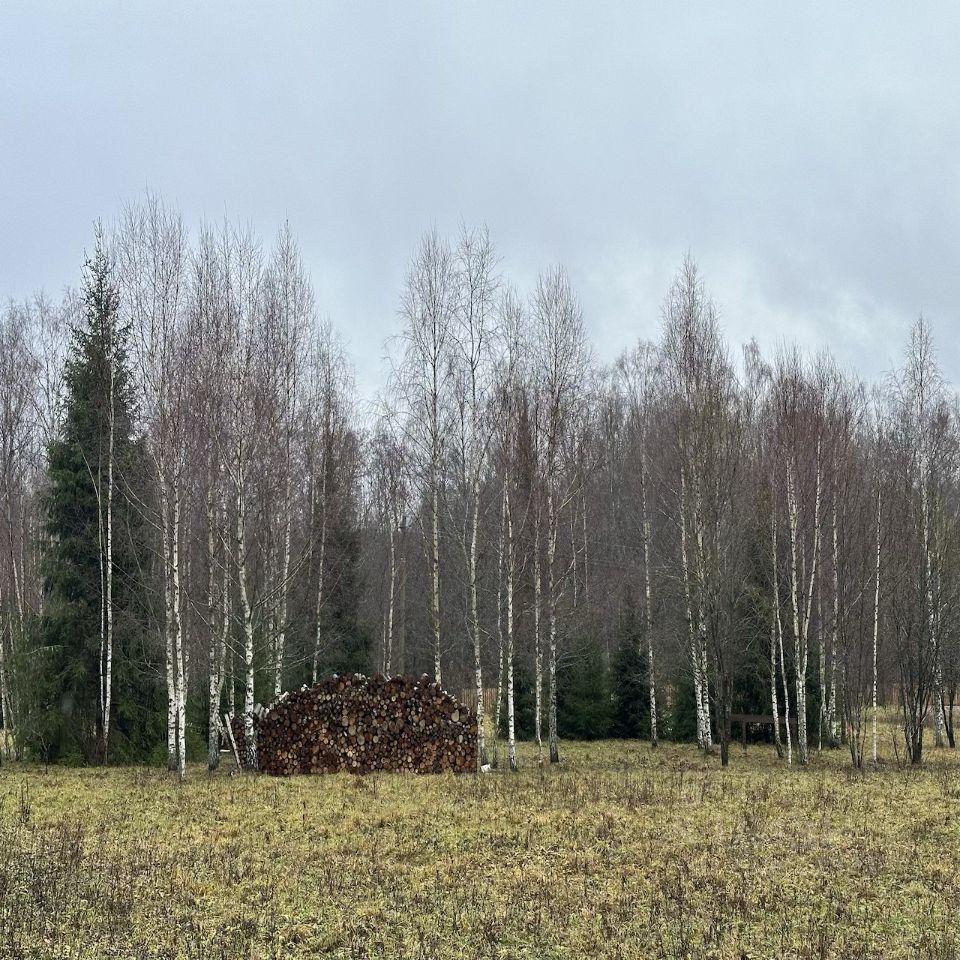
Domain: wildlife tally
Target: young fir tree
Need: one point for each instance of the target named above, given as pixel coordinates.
(630, 690)
(584, 703)
(100, 694)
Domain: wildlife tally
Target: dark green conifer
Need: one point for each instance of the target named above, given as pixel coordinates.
(73, 563)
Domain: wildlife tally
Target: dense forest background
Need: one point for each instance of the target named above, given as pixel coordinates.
(199, 513)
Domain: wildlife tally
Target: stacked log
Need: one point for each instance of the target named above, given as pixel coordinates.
(238, 728)
(362, 724)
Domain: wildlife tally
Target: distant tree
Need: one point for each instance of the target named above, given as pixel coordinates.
(629, 685)
(19, 370)
(422, 382)
(714, 457)
(510, 376)
(585, 705)
(635, 373)
(562, 363)
(151, 249)
(472, 362)
(923, 454)
(97, 651)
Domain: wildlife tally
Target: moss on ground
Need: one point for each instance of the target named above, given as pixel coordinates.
(620, 852)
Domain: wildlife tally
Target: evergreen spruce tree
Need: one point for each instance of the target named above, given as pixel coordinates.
(631, 694)
(347, 640)
(584, 702)
(96, 460)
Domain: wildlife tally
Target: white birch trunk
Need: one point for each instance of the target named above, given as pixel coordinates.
(498, 704)
(822, 669)
(786, 689)
(876, 632)
(281, 640)
(184, 621)
(938, 738)
(511, 714)
(648, 593)
(537, 640)
(247, 615)
(832, 722)
(402, 627)
(774, 632)
(231, 680)
(218, 617)
(108, 667)
(501, 646)
(701, 582)
(15, 628)
(800, 662)
(692, 629)
(214, 677)
(801, 612)
(318, 608)
(105, 538)
(173, 762)
(177, 628)
(552, 612)
(435, 573)
(475, 619)
(391, 595)
(102, 560)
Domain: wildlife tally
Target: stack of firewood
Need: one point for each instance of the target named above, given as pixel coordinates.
(361, 724)
(238, 729)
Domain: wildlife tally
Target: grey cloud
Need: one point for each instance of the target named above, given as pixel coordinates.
(808, 157)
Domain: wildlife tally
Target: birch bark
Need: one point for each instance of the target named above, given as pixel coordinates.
(648, 605)
(876, 631)
(108, 654)
(802, 596)
(321, 563)
(537, 638)
(246, 613)
(511, 714)
(775, 632)
(703, 728)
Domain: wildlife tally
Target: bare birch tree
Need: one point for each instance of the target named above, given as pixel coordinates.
(152, 250)
(473, 338)
(423, 380)
(289, 311)
(562, 362)
(637, 370)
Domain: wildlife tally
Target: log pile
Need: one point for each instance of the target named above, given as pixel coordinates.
(238, 728)
(361, 724)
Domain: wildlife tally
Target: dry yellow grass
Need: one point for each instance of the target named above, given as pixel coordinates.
(618, 853)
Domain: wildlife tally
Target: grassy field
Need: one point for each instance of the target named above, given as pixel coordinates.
(619, 852)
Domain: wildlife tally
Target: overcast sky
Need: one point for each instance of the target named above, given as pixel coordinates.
(809, 158)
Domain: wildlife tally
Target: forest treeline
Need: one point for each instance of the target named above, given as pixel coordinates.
(199, 513)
